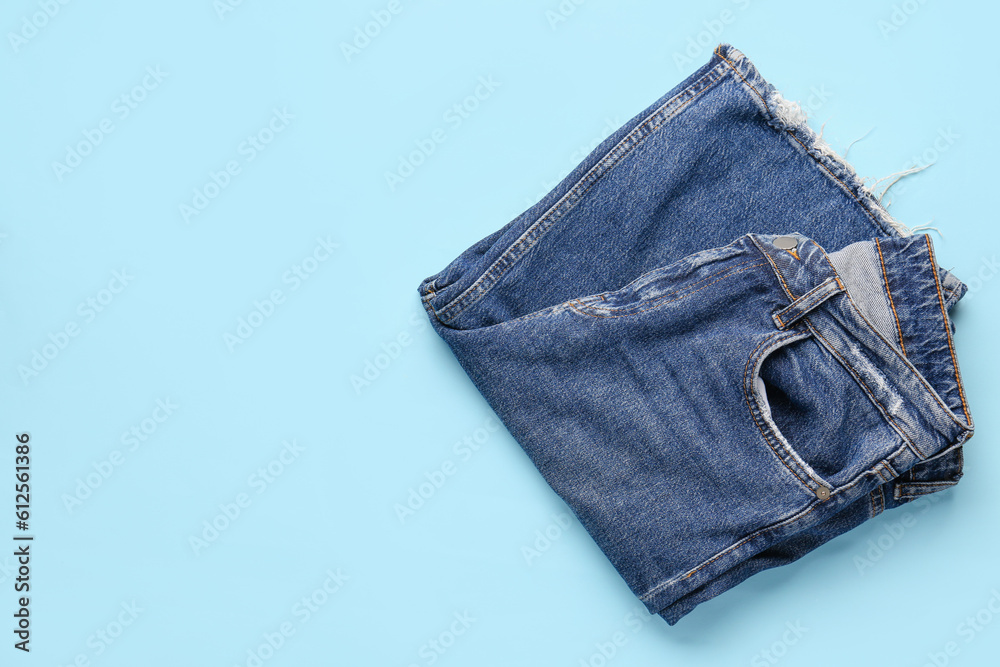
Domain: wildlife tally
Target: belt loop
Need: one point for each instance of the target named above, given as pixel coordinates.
(789, 315)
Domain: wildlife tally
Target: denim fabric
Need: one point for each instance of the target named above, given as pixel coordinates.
(713, 342)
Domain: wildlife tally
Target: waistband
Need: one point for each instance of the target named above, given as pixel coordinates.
(880, 307)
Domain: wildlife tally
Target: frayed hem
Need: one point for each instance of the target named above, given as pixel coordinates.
(789, 116)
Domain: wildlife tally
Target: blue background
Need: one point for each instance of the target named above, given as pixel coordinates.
(489, 542)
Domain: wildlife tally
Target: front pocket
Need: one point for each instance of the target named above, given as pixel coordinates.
(811, 410)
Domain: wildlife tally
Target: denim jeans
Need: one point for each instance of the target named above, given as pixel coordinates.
(713, 342)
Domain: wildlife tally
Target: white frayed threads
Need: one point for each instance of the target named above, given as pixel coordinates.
(902, 229)
(790, 115)
(896, 177)
(793, 116)
(826, 150)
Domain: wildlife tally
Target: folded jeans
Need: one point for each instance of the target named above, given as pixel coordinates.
(713, 342)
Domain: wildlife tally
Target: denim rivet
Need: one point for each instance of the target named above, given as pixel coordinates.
(822, 493)
(786, 242)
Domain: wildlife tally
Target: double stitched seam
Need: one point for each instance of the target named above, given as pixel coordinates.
(799, 142)
(746, 371)
(857, 376)
(854, 371)
(801, 306)
(947, 333)
(861, 477)
(431, 293)
(878, 501)
(659, 301)
(777, 272)
(918, 374)
(795, 517)
(633, 139)
(888, 293)
(922, 489)
(690, 573)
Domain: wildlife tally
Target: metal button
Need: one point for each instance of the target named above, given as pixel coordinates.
(822, 493)
(786, 242)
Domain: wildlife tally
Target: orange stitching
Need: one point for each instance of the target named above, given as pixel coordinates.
(877, 493)
(744, 541)
(778, 273)
(740, 74)
(888, 292)
(947, 333)
(807, 302)
(882, 409)
(792, 135)
(607, 162)
(670, 582)
(746, 371)
(906, 362)
(661, 586)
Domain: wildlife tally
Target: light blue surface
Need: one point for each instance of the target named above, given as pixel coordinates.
(918, 75)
